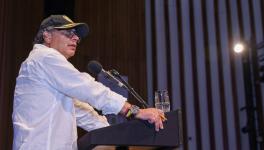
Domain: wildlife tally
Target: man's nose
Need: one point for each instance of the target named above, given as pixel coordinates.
(75, 38)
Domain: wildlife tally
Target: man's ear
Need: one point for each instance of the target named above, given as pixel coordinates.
(47, 37)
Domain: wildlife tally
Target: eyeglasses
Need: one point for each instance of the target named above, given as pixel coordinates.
(70, 33)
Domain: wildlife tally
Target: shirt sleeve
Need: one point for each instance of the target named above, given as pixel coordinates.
(87, 118)
(65, 78)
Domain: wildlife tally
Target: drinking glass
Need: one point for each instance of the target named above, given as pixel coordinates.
(162, 100)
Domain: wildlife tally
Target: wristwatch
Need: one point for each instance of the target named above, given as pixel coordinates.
(133, 110)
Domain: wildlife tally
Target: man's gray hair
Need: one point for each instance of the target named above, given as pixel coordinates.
(39, 37)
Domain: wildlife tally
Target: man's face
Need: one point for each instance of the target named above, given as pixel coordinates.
(65, 41)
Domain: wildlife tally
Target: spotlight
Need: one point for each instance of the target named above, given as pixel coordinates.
(239, 47)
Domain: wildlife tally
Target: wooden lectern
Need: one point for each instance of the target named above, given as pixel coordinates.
(136, 133)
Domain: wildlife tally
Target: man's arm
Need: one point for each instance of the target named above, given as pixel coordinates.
(87, 118)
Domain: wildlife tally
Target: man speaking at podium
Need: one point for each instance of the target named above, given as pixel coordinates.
(52, 97)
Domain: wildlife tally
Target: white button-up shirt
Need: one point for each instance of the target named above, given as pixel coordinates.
(44, 114)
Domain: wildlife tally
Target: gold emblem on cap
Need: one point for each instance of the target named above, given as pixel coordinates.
(67, 18)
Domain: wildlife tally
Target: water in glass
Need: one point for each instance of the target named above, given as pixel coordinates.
(162, 100)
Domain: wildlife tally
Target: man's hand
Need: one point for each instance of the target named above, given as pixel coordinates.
(153, 115)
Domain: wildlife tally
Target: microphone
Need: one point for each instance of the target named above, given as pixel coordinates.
(129, 88)
(95, 68)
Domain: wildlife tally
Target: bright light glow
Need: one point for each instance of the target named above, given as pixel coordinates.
(238, 48)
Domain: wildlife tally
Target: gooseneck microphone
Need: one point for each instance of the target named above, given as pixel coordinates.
(95, 68)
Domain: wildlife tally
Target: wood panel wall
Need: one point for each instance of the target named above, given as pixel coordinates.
(116, 39)
(18, 25)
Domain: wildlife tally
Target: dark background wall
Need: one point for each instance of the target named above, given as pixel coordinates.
(18, 25)
(184, 46)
